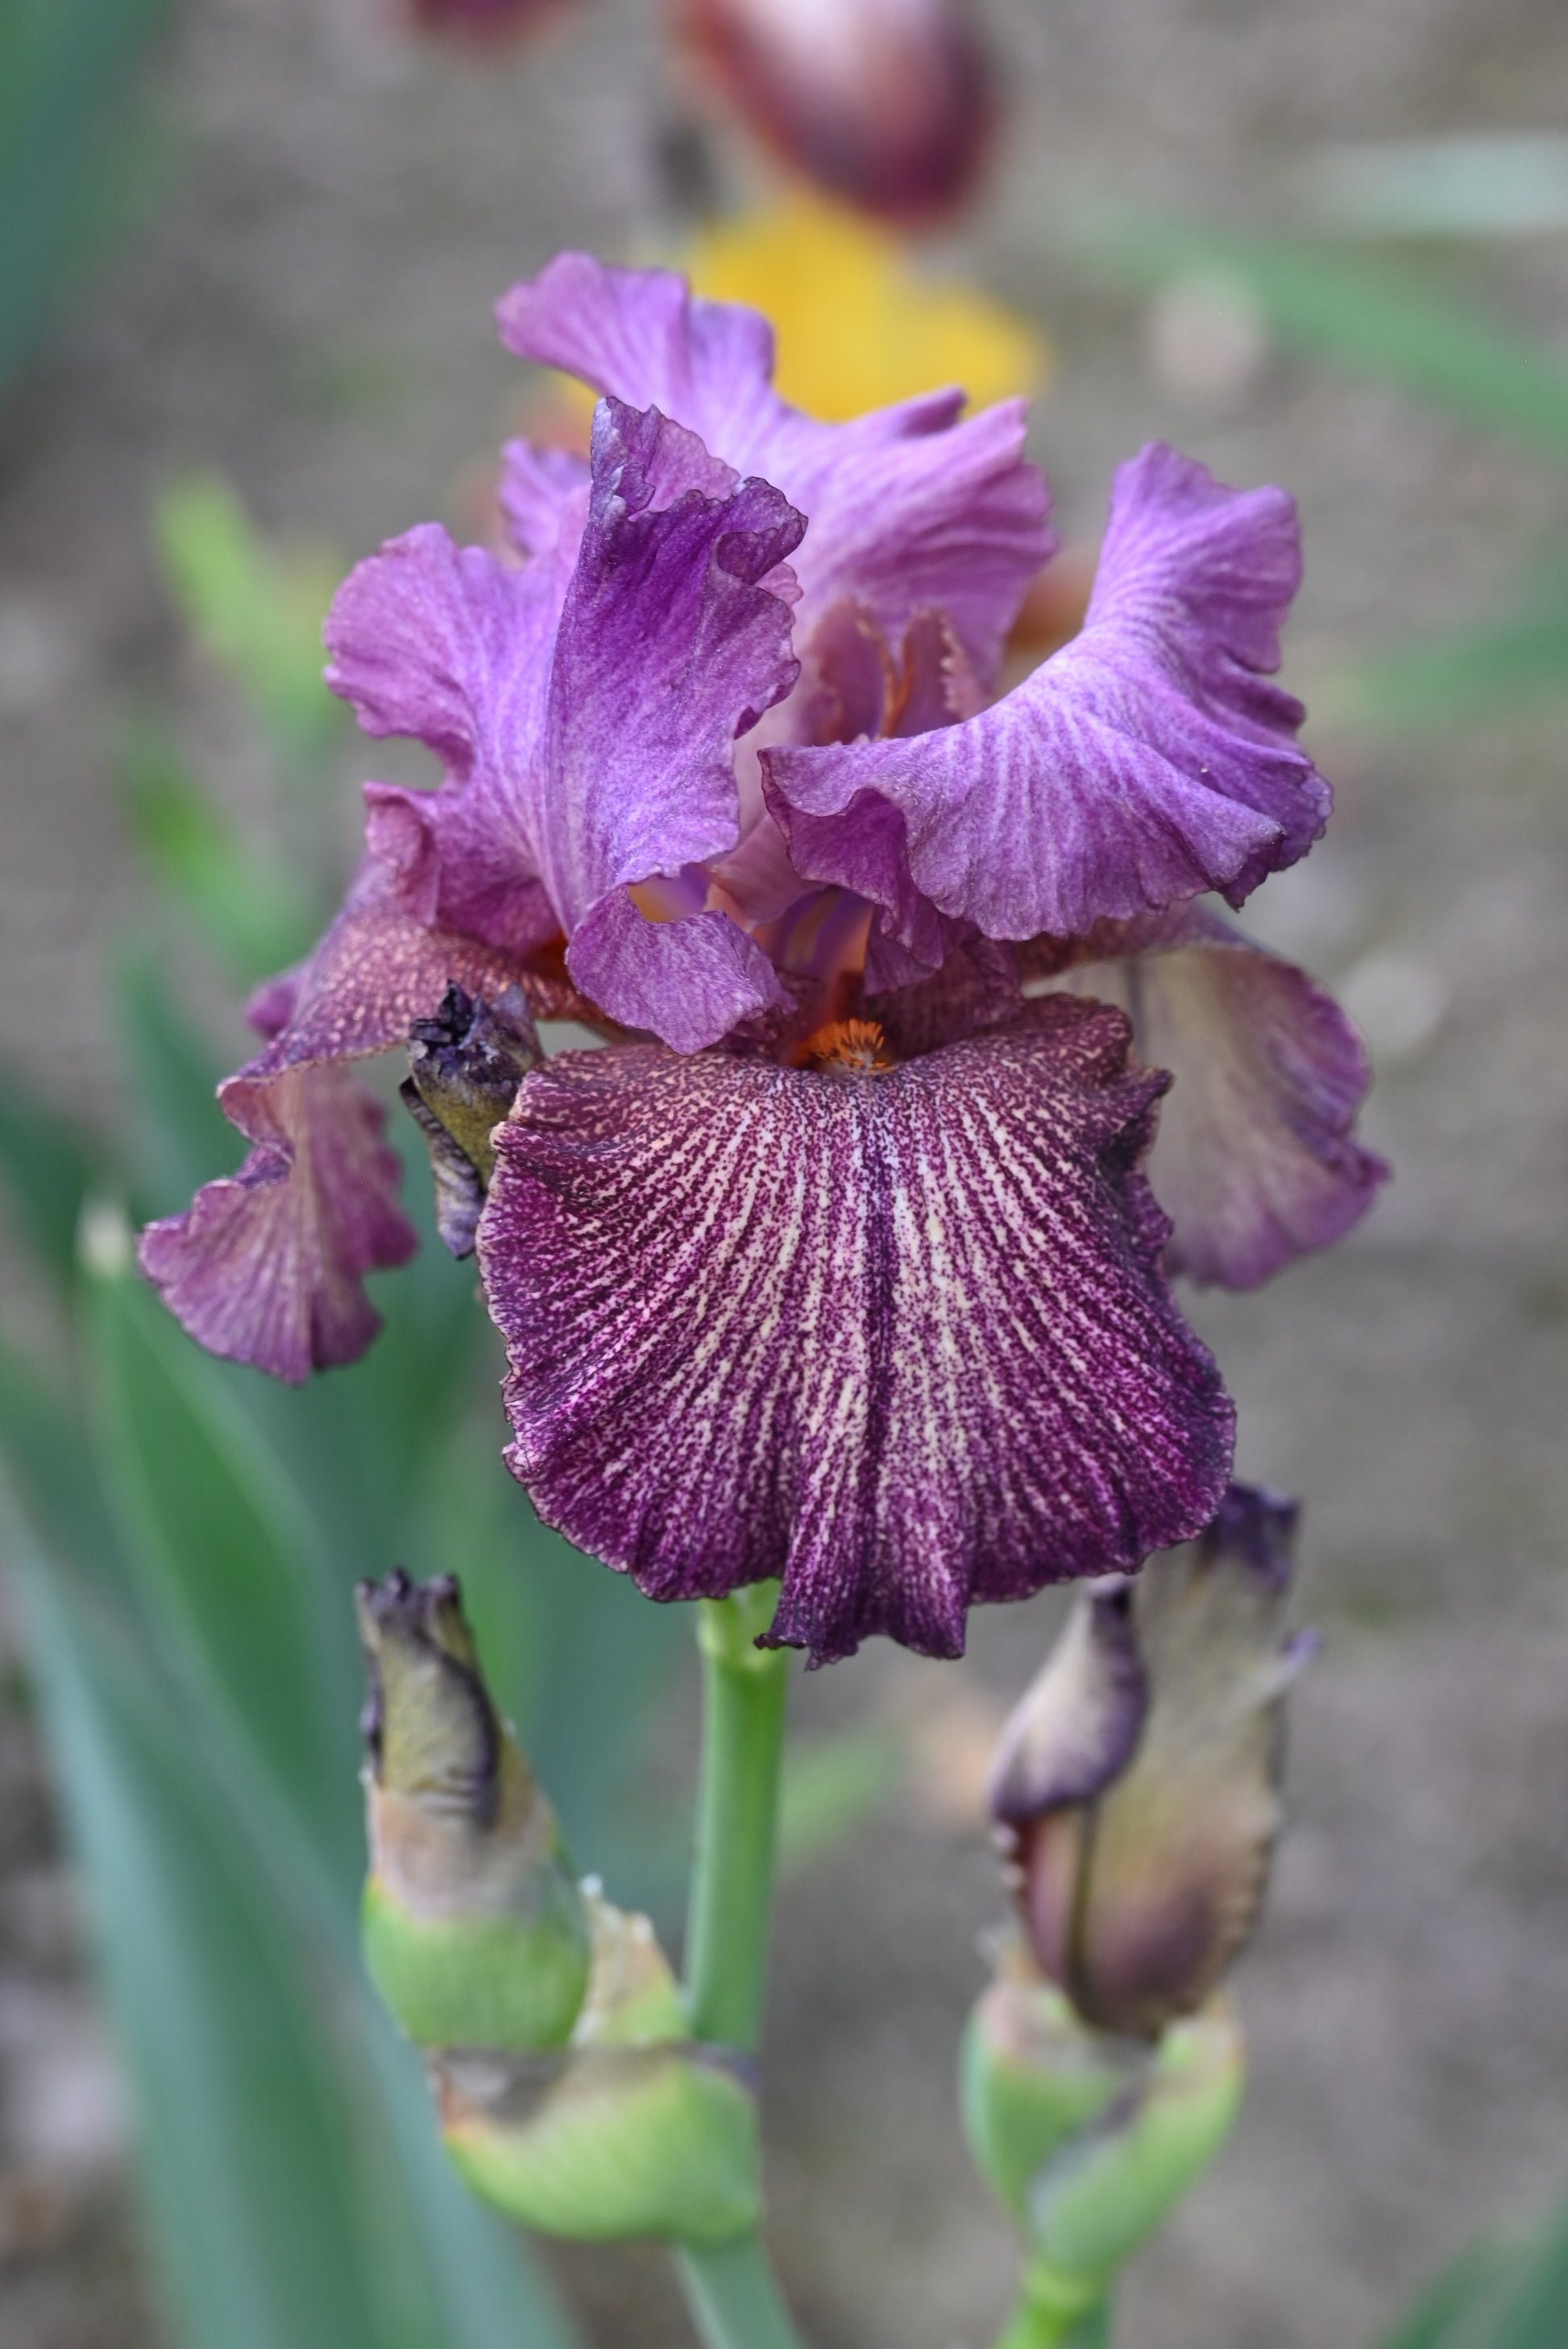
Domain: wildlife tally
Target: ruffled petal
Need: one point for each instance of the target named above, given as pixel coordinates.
(446, 646)
(674, 639)
(900, 1338)
(266, 1266)
(1147, 762)
(1255, 1162)
(689, 981)
(909, 507)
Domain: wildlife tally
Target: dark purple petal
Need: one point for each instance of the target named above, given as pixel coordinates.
(1147, 762)
(900, 1338)
(1079, 1724)
(1255, 1162)
(266, 1266)
(909, 508)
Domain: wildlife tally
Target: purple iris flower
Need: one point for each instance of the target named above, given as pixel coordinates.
(840, 1263)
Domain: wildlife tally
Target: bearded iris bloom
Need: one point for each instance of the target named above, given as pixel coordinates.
(839, 1264)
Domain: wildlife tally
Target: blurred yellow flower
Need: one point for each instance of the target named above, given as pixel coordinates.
(858, 327)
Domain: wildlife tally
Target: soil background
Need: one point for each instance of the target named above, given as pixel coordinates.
(307, 309)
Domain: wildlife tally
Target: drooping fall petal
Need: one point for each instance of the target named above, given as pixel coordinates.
(266, 1266)
(1255, 1162)
(1149, 761)
(896, 1335)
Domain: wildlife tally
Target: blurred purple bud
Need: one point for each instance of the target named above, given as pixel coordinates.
(1136, 1787)
(491, 21)
(886, 104)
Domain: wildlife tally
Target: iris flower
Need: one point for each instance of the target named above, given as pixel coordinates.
(838, 1263)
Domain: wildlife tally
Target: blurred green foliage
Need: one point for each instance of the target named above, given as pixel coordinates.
(75, 160)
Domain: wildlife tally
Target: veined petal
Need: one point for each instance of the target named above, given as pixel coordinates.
(909, 508)
(544, 494)
(689, 981)
(1255, 1162)
(1147, 762)
(674, 639)
(266, 1266)
(445, 645)
(899, 1337)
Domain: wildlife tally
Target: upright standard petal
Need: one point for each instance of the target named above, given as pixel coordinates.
(1147, 762)
(674, 639)
(909, 508)
(444, 644)
(266, 1266)
(897, 1335)
(1256, 1161)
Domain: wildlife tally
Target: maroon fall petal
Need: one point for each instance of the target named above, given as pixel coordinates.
(1256, 1161)
(266, 1266)
(898, 1336)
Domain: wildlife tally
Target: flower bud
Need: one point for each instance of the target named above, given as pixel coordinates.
(884, 103)
(634, 2131)
(475, 1932)
(465, 1066)
(1090, 2140)
(1136, 1787)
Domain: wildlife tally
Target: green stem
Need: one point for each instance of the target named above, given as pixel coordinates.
(1047, 2319)
(745, 1690)
(734, 2298)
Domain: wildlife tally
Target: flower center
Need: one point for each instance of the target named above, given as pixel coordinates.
(848, 1047)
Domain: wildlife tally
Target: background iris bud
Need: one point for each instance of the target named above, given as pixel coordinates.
(634, 2131)
(475, 1932)
(465, 1065)
(1136, 1787)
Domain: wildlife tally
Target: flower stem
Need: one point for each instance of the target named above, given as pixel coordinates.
(734, 2298)
(1044, 2319)
(745, 1690)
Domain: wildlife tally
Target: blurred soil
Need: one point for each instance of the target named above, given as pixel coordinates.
(308, 310)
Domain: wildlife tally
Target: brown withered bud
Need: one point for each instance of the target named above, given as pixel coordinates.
(885, 104)
(1136, 1787)
(465, 1066)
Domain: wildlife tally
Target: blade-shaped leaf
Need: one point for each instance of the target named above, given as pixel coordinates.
(48, 1169)
(298, 2194)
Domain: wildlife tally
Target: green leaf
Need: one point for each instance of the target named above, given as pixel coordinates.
(1534, 2312)
(1371, 314)
(226, 1557)
(64, 67)
(48, 1168)
(256, 608)
(1455, 2311)
(298, 2196)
